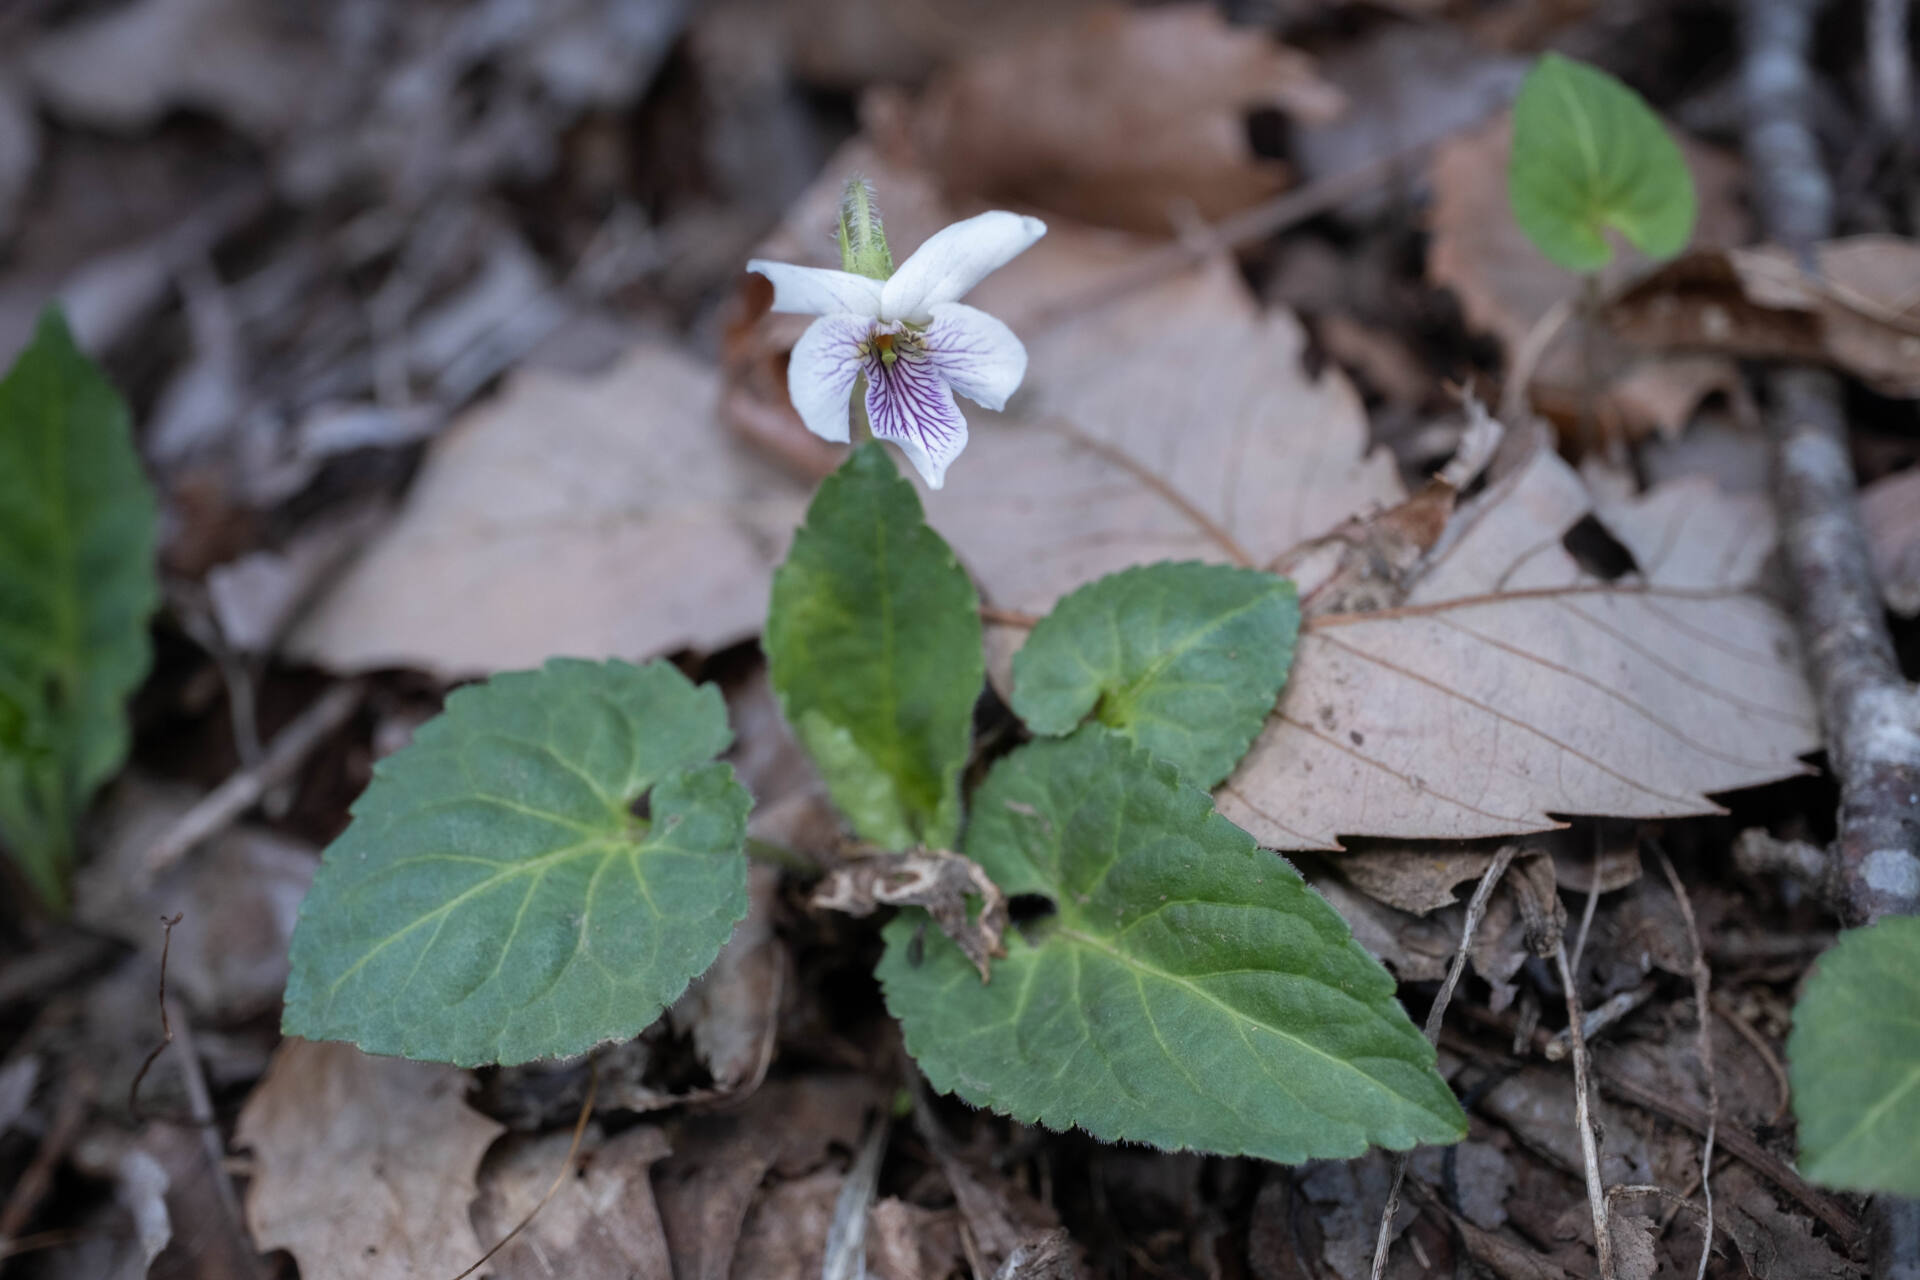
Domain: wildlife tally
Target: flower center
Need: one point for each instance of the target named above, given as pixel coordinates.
(891, 344)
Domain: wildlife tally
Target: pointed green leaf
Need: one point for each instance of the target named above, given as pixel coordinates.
(497, 898)
(1190, 990)
(1588, 155)
(1183, 659)
(873, 644)
(1854, 1058)
(77, 585)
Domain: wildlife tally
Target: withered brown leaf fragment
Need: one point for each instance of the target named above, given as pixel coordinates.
(935, 879)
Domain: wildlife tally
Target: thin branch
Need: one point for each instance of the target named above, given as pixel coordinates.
(1476, 910)
(1870, 712)
(166, 1023)
(1583, 1118)
(226, 802)
(1703, 1010)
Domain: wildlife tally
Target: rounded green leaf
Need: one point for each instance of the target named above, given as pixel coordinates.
(1854, 1059)
(1588, 155)
(497, 898)
(1189, 991)
(873, 644)
(77, 586)
(1183, 659)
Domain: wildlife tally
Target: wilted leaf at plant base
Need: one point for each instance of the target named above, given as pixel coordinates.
(599, 517)
(1854, 1058)
(1119, 116)
(1852, 309)
(1505, 285)
(1510, 685)
(1184, 660)
(77, 584)
(1589, 157)
(873, 644)
(1189, 990)
(496, 899)
(363, 1168)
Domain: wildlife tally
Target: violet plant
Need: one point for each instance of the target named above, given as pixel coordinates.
(499, 896)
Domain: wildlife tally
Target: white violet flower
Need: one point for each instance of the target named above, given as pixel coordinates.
(906, 330)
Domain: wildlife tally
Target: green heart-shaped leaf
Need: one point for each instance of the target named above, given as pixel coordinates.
(1854, 1057)
(1589, 154)
(1183, 659)
(497, 898)
(873, 644)
(1190, 991)
(77, 585)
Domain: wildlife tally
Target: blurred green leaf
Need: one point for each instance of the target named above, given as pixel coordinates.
(1588, 155)
(77, 586)
(1854, 1058)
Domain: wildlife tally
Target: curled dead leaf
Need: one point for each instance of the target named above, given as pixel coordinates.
(935, 879)
(1855, 306)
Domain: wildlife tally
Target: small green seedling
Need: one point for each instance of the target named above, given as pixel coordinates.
(553, 859)
(1854, 1059)
(1589, 157)
(77, 585)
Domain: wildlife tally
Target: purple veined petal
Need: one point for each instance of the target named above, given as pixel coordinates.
(821, 372)
(911, 405)
(816, 291)
(978, 355)
(953, 260)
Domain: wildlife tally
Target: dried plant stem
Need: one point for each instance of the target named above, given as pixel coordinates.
(559, 1179)
(1583, 1119)
(1703, 1010)
(1476, 910)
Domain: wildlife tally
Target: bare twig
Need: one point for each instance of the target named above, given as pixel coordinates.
(1282, 212)
(1702, 991)
(1593, 900)
(69, 1114)
(1583, 1119)
(1476, 910)
(1599, 1018)
(1768, 1058)
(237, 794)
(166, 1023)
(1871, 714)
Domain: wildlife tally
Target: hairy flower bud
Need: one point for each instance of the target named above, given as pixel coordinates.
(863, 240)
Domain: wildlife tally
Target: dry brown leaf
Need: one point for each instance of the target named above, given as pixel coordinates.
(1890, 508)
(1419, 879)
(1858, 307)
(938, 880)
(1505, 285)
(706, 1188)
(595, 517)
(601, 1222)
(1511, 686)
(732, 1010)
(1126, 117)
(363, 1167)
(1177, 423)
